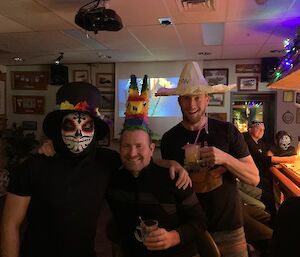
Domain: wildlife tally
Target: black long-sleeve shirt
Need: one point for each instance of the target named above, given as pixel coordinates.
(153, 195)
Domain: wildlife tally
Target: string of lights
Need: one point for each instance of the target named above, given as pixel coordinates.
(290, 61)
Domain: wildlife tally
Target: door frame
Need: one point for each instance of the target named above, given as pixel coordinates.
(269, 116)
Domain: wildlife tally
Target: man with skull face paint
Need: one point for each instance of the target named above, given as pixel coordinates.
(62, 195)
(77, 131)
(283, 145)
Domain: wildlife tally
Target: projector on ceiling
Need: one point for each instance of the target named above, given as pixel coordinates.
(98, 19)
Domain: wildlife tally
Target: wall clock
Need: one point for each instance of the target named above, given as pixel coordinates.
(288, 117)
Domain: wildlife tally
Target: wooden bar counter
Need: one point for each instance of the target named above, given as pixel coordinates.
(287, 179)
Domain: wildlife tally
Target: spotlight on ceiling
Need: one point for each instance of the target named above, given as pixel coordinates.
(93, 18)
(165, 21)
(204, 53)
(59, 58)
(18, 59)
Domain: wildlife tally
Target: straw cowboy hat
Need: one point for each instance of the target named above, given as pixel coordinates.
(192, 82)
(75, 97)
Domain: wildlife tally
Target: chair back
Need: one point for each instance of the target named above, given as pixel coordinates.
(286, 230)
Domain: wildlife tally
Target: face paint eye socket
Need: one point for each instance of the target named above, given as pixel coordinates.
(88, 126)
(68, 125)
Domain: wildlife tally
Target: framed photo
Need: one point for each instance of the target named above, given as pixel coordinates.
(216, 99)
(29, 125)
(108, 117)
(248, 83)
(288, 96)
(297, 99)
(81, 76)
(104, 142)
(107, 101)
(28, 104)
(247, 68)
(298, 115)
(218, 116)
(29, 80)
(2, 97)
(216, 76)
(105, 82)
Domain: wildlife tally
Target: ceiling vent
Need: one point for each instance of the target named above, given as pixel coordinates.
(195, 5)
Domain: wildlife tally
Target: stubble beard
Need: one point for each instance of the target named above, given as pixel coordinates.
(193, 119)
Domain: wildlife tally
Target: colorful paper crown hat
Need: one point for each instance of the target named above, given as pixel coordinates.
(136, 115)
(192, 82)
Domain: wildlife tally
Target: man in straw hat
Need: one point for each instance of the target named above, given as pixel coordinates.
(142, 195)
(216, 154)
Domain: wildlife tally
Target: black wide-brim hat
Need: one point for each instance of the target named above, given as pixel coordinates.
(75, 97)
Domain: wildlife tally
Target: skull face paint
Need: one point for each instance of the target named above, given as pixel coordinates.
(284, 142)
(77, 131)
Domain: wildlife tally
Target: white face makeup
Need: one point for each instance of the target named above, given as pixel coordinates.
(77, 131)
(285, 142)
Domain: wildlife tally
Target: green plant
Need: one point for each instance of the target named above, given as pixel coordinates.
(17, 145)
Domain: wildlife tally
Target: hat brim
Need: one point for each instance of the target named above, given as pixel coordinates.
(52, 124)
(197, 90)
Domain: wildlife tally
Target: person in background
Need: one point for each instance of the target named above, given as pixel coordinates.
(263, 161)
(224, 156)
(61, 195)
(282, 147)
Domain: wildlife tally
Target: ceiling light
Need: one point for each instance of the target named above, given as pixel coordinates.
(165, 21)
(103, 56)
(204, 53)
(59, 58)
(18, 59)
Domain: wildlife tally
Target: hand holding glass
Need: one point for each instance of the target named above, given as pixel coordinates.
(145, 227)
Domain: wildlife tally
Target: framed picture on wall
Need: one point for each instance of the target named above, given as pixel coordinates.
(218, 116)
(2, 97)
(288, 96)
(105, 82)
(105, 141)
(298, 115)
(29, 125)
(216, 76)
(107, 101)
(29, 80)
(247, 68)
(28, 104)
(108, 117)
(297, 99)
(81, 76)
(216, 99)
(248, 83)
